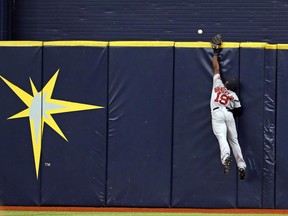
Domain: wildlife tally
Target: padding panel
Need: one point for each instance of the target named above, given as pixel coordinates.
(140, 126)
(74, 171)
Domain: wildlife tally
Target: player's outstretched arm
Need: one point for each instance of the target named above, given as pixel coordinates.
(216, 68)
(216, 46)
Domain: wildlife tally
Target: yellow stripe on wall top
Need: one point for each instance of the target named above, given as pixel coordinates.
(21, 43)
(253, 44)
(76, 43)
(282, 46)
(271, 46)
(193, 44)
(205, 45)
(198, 44)
(141, 43)
(230, 45)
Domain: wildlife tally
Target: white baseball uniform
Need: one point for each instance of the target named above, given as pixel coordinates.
(223, 123)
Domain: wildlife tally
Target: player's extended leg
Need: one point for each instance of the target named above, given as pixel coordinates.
(233, 141)
(220, 131)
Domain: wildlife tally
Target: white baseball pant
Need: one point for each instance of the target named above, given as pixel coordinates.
(224, 128)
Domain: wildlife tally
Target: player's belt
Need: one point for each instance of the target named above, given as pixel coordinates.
(226, 109)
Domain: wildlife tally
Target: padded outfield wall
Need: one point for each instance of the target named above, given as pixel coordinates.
(87, 123)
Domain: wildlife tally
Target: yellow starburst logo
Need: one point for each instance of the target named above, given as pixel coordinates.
(40, 109)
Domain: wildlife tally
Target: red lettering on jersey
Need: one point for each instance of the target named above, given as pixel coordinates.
(219, 89)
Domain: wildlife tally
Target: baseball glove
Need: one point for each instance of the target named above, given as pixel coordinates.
(216, 43)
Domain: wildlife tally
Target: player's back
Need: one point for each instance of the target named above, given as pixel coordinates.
(221, 96)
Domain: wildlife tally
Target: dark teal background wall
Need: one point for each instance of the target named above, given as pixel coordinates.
(151, 145)
(237, 20)
(6, 8)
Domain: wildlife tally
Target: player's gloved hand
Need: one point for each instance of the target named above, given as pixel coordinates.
(216, 43)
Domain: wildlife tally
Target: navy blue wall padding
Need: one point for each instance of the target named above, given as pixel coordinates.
(269, 128)
(198, 177)
(74, 172)
(281, 195)
(140, 126)
(18, 182)
(152, 144)
(252, 70)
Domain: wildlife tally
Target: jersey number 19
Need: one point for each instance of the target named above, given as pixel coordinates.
(222, 98)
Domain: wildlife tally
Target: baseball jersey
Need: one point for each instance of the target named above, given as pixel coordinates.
(221, 96)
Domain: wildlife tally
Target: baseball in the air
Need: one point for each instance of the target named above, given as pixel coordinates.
(200, 31)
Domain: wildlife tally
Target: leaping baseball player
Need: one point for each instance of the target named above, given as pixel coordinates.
(224, 104)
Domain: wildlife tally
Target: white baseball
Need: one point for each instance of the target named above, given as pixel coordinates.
(200, 31)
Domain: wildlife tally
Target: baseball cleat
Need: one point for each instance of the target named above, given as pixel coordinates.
(242, 173)
(227, 164)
